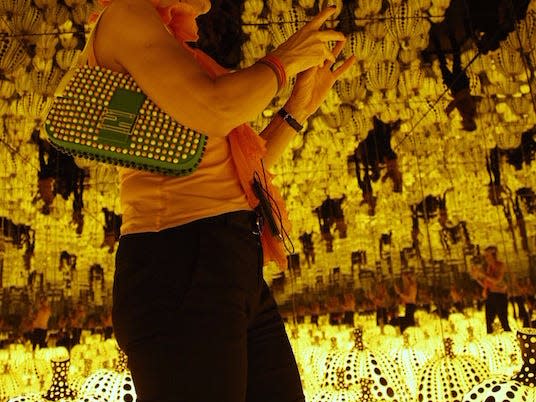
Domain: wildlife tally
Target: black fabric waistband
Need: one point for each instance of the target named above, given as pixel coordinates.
(249, 220)
(242, 219)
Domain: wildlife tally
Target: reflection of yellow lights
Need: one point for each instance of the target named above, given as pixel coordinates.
(444, 157)
(322, 352)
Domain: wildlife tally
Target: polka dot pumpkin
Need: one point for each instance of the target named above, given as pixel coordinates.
(410, 360)
(447, 378)
(360, 362)
(59, 389)
(347, 393)
(483, 349)
(109, 386)
(500, 389)
(521, 387)
(527, 342)
(33, 397)
(9, 386)
(338, 392)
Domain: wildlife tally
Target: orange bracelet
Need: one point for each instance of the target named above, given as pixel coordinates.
(277, 67)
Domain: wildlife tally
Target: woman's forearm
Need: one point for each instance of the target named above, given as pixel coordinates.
(278, 135)
(244, 94)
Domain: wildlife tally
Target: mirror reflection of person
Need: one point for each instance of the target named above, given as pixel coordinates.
(78, 319)
(349, 306)
(491, 276)
(456, 297)
(315, 312)
(379, 296)
(40, 323)
(408, 296)
(518, 296)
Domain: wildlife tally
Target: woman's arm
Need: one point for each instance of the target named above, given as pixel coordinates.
(170, 76)
(310, 90)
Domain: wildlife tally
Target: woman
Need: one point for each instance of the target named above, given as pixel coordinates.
(491, 278)
(191, 309)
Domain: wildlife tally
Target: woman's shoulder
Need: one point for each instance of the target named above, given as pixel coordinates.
(121, 29)
(131, 7)
(129, 18)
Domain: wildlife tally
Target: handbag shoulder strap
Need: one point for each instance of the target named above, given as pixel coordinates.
(80, 61)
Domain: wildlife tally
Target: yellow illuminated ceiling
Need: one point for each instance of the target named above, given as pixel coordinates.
(390, 80)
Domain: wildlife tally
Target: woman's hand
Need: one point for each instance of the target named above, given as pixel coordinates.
(307, 47)
(312, 86)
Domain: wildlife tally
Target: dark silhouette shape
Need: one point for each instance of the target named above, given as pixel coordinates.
(330, 213)
(371, 155)
(112, 229)
(308, 247)
(457, 81)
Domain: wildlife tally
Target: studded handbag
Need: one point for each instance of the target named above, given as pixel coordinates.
(103, 115)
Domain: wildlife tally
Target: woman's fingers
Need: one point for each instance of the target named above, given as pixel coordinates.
(308, 47)
(319, 20)
(338, 47)
(328, 56)
(335, 52)
(331, 36)
(344, 67)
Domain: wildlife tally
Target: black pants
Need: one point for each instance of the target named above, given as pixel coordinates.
(107, 332)
(38, 337)
(382, 317)
(76, 334)
(196, 318)
(522, 311)
(409, 317)
(496, 306)
(348, 318)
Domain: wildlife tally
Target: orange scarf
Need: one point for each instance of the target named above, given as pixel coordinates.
(247, 147)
